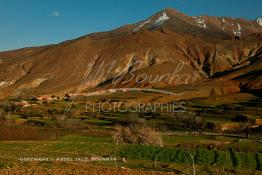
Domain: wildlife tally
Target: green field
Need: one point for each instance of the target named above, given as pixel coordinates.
(79, 146)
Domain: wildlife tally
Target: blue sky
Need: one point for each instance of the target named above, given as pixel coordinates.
(25, 23)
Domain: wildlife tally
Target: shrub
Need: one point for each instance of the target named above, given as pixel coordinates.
(189, 121)
(137, 134)
(182, 157)
(247, 160)
(205, 156)
(167, 154)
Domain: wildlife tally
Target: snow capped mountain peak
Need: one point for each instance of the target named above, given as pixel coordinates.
(153, 21)
(161, 19)
(202, 26)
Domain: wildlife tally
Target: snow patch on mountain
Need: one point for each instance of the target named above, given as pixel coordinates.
(238, 31)
(259, 21)
(238, 26)
(142, 25)
(200, 21)
(161, 19)
(223, 23)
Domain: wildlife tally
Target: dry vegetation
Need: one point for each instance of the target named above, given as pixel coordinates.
(137, 134)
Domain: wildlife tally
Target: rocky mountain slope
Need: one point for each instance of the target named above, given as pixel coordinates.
(166, 50)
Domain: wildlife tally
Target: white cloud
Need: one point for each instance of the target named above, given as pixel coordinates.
(55, 13)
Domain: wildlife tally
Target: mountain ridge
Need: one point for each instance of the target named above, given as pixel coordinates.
(169, 37)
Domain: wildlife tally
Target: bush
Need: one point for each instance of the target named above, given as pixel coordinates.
(182, 157)
(222, 158)
(247, 160)
(189, 121)
(137, 134)
(167, 154)
(205, 156)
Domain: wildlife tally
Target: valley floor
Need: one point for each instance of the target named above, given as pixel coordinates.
(208, 137)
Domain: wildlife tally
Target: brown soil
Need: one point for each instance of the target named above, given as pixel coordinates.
(74, 169)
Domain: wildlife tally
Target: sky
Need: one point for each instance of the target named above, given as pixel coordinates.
(26, 23)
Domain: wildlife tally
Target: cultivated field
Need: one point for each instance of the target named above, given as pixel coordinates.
(215, 139)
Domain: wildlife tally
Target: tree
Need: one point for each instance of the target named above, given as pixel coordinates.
(191, 150)
(137, 133)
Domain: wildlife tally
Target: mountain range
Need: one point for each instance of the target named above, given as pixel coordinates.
(169, 50)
